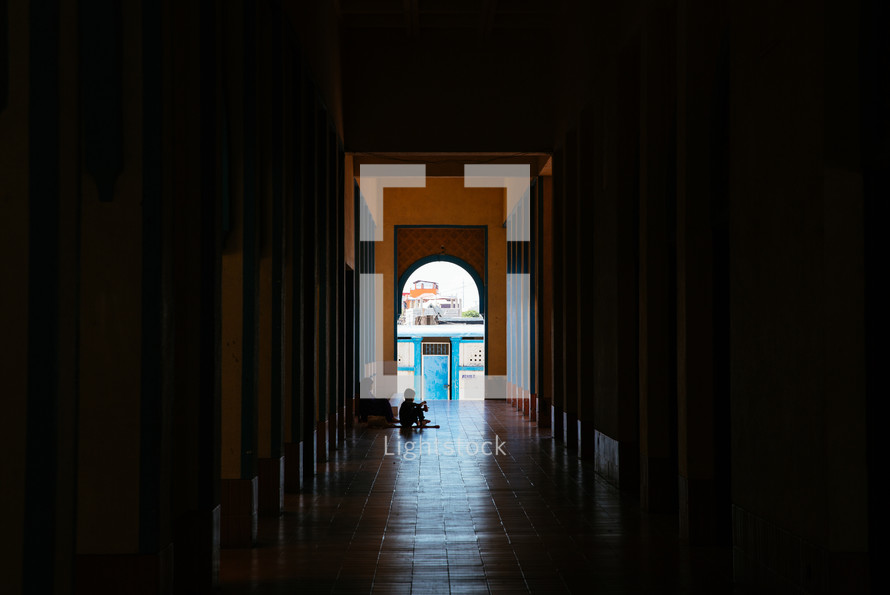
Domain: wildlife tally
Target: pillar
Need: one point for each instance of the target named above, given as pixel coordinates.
(239, 498)
(527, 301)
(293, 319)
(455, 368)
(511, 328)
(569, 288)
(39, 307)
(271, 322)
(349, 366)
(351, 245)
(614, 269)
(797, 343)
(21, 565)
(418, 364)
(518, 305)
(193, 156)
(590, 186)
(343, 388)
(323, 271)
(536, 319)
(545, 303)
(334, 270)
(657, 262)
(876, 185)
(308, 272)
(557, 406)
(126, 364)
(702, 273)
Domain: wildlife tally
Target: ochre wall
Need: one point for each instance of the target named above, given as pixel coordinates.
(445, 201)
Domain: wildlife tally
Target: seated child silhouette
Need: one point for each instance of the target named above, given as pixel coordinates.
(411, 413)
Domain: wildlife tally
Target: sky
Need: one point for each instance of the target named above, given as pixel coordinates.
(452, 280)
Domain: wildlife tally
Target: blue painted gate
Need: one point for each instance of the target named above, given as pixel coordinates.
(435, 377)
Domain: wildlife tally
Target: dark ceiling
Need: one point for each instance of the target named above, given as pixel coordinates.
(416, 17)
(447, 75)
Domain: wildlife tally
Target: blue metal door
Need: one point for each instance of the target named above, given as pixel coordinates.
(435, 377)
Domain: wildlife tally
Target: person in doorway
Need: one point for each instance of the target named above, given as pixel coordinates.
(411, 412)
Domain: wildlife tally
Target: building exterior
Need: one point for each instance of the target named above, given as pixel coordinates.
(442, 362)
(423, 303)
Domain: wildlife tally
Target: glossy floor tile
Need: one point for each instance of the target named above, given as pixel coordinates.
(489, 503)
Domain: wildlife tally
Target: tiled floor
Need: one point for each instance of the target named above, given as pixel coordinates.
(530, 518)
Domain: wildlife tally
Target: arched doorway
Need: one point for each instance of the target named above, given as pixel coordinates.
(474, 275)
(440, 329)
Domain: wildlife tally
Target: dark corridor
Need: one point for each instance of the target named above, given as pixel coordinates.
(684, 300)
